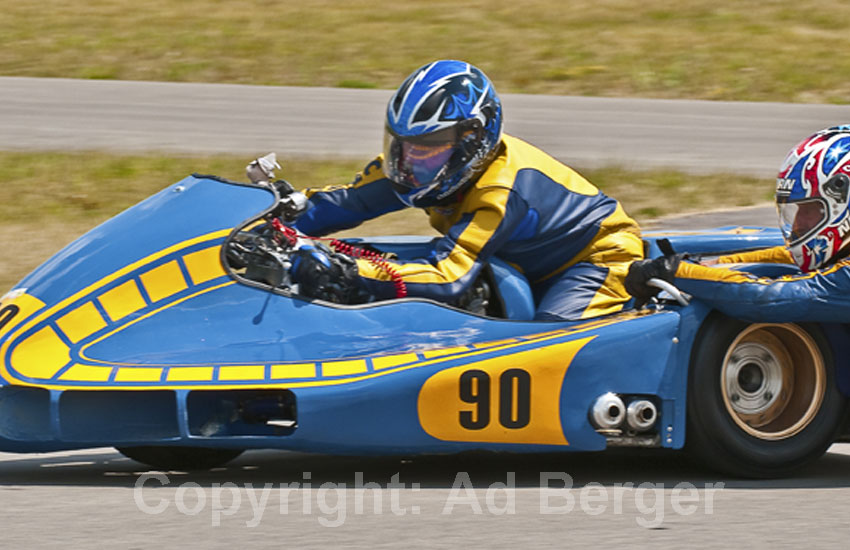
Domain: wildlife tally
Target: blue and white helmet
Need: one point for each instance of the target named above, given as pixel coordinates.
(444, 126)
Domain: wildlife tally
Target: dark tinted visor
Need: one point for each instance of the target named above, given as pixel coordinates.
(422, 161)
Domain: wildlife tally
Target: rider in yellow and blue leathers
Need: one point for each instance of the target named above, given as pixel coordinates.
(489, 194)
(813, 199)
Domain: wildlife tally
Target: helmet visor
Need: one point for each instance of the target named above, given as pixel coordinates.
(800, 220)
(421, 161)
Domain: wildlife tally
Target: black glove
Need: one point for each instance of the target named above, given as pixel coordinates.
(324, 274)
(292, 203)
(663, 267)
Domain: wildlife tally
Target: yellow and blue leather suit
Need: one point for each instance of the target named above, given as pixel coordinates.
(822, 295)
(573, 243)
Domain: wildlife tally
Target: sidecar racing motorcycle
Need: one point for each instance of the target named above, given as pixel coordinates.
(174, 332)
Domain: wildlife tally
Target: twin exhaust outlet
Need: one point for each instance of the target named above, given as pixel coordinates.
(609, 412)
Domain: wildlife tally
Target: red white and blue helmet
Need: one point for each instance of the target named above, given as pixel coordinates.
(443, 128)
(812, 198)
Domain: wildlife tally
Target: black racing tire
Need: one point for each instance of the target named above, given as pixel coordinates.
(180, 458)
(762, 398)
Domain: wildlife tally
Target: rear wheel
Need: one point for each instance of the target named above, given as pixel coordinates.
(180, 458)
(762, 398)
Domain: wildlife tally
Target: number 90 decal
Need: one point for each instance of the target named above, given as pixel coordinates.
(514, 398)
(7, 313)
(14, 308)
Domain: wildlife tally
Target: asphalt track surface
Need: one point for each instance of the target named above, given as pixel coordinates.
(89, 498)
(698, 136)
(96, 498)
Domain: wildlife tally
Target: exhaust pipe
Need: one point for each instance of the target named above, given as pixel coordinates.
(641, 415)
(608, 412)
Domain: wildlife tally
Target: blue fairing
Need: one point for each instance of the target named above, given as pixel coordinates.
(188, 209)
(137, 333)
(255, 326)
(713, 241)
(646, 372)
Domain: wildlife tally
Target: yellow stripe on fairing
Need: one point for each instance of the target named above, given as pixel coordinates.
(138, 374)
(122, 300)
(388, 361)
(444, 351)
(242, 372)
(201, 377)
(190, 374)
(495, 343)
(81, 322)
(286, 372)
(163, 281)
(204, 265)
(86, 373)
(29, 301)
(41, 355)
(342, 368)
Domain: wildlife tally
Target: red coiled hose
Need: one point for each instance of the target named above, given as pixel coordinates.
(374, 258)
(288, 233)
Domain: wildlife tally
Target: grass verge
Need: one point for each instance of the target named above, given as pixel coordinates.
(47, 200)
(745, 50)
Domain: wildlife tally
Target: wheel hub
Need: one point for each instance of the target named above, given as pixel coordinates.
(754, 381)
(773, 380)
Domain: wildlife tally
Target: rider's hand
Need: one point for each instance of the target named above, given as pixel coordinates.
(641, 271)
(321, 273)
(291, 205)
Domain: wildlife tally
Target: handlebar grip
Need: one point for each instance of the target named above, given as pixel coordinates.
(670, 289)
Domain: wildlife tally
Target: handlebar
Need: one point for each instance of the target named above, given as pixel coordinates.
(669, 289)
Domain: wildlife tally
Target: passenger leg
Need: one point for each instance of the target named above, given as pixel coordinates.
(584, 291)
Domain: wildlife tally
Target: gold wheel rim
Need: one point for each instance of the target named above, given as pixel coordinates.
(773, 380)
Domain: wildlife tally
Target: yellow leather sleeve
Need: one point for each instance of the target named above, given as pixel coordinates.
(776, 255)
